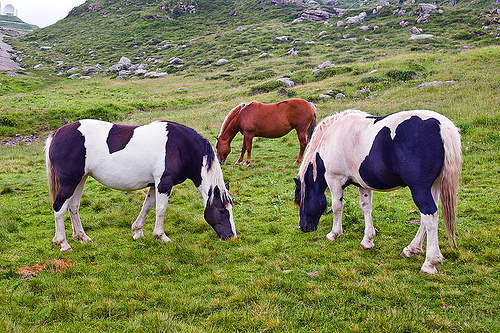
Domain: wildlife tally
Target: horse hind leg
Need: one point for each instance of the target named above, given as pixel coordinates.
(301, 134)
(60, 234)
(73, 207)
(149, 202)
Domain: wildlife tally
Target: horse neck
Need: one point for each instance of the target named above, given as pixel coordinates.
(230, 127)
(317, 138)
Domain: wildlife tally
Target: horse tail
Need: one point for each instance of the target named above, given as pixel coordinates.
(51, 176)
(449, 178)
(312, 125)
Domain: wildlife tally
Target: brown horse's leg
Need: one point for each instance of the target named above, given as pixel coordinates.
(243, 149)
(248, 140)
(303, 143)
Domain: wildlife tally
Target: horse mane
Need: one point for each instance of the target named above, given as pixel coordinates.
(316, 139)
(232, 115)
(214, 173)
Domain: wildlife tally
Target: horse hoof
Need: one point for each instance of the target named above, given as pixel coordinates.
(428, 270)
(66, 248)
(137, 235)
(366, 246)
(331, 236)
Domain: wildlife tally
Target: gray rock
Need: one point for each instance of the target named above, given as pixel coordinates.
(356, 19)
(434, 84)
(415, 31)
(72, 70)
(324, 96)
(421, 36)
(287, 82)
(282, 39)
(340, 96)
(222, 62)
(175, 61)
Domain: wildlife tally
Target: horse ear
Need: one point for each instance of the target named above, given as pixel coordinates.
(216, 138)
(297, 181)
(227, 186)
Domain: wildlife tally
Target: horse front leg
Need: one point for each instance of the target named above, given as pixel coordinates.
(73, 207)
(161, 205)
(415, 246)
(365, 202)
(149, 202)
(337, 206)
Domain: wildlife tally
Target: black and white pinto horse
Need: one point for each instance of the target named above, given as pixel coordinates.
(418, 149)
(124, 157)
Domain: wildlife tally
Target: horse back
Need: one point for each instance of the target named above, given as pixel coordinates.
(384, 153)
(276, 119)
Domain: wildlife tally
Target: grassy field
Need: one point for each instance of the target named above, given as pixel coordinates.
(273, 278)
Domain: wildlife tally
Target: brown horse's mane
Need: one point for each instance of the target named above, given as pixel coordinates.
(231, 116)
(319, 131)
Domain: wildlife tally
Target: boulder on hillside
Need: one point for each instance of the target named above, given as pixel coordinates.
(356, 19)
(286, 81)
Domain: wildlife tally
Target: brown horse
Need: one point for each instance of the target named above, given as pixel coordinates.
(268, 121)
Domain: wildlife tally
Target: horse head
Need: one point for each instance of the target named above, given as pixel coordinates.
(219, 213)
(223, 148)
(310, 196)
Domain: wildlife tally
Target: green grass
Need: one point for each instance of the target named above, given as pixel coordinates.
(273, 277)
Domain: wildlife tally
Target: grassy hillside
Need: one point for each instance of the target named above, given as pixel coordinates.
(273, 278)
(15, 23)
(154, 32)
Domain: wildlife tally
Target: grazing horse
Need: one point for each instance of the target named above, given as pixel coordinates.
(124, 157)
(268, 121)
(418, 149)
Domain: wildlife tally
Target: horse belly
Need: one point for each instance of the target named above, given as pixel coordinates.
(135, 166)
(124, 177)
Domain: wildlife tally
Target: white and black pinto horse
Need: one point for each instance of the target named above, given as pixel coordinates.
(418, 149)
(124, 157)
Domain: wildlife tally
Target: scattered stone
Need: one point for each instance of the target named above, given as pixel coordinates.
(264, 55)
(45, 48)
(326, 64)
(434, 84)
(38, 66)
(240, 28)
(282, 39)
(415, 31)
(293, 52)
(221, 62)
(175, 61)
(340, 96)
(421, 36)
(356, 19)
(287, 82)
(324, 96)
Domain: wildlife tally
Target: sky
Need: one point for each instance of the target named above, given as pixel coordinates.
(41, 12)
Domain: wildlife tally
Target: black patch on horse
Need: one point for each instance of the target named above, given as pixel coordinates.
(119, 136)
(184, 154)
(415, 157)
(67, 155)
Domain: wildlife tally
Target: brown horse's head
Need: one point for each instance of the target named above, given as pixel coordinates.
(223, 148)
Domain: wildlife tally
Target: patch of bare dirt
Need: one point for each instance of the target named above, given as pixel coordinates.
(56, 265)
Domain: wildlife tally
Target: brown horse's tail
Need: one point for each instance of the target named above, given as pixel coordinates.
(449, 179)
(53, 182)
(312, 125)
